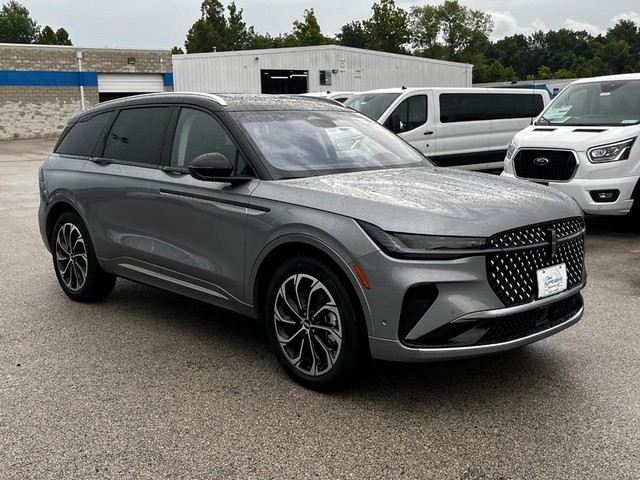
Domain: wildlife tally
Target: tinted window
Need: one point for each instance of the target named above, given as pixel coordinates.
(412, 113)
(82, 137)
(513, 105)
(198, 132)
(138, 135)
(469, 107)
(464, 107)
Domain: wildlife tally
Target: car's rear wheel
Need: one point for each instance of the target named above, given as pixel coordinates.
(75, 262)
(312, 324)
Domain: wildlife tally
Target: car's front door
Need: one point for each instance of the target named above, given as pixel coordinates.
(201, 225)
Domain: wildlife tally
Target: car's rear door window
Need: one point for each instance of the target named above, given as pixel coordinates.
(82, 137)
(137, 135)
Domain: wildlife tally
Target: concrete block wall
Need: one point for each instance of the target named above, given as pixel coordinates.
(38, 111)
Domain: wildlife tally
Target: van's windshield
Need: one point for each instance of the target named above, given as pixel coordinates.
(607, 103)
(373, 105)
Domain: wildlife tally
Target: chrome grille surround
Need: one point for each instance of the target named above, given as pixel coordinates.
(512, 271)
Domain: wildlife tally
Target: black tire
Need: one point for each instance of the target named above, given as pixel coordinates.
(75, 262)
(315, 335)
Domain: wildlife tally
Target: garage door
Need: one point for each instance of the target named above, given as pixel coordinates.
(130, 82)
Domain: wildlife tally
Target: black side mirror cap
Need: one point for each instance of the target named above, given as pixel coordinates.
(214, 167)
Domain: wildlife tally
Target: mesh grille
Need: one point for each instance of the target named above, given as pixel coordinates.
(512, 275)
(560, 164)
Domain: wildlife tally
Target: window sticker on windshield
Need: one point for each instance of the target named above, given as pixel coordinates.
(556, 112)
(604, 94)
(629, 121)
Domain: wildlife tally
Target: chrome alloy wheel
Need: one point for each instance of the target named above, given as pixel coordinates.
(71, 257)
(307, 324)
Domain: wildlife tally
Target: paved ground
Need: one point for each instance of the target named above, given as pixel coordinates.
(152, 385)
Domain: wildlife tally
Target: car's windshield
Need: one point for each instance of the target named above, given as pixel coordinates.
(373, 105)
(604, 103)
(307, 143)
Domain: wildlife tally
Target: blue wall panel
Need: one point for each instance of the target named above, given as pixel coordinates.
(23, 78)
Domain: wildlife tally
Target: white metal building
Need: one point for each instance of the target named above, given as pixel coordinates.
(312, 69)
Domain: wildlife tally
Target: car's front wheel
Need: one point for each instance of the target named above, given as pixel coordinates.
(75, 262)
(312, 324)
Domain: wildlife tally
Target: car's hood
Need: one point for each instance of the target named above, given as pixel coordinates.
(574, 138)
(427, 201)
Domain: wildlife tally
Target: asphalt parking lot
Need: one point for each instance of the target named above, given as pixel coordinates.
(148, 384)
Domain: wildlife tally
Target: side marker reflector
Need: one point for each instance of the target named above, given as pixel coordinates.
(361, 276)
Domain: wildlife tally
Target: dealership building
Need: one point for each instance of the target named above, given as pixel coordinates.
(42, 86)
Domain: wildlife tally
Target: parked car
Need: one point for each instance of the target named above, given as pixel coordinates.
(466, 128)
(343, 238)
(585, 144)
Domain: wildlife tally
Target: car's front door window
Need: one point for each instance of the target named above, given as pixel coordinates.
(197, 133)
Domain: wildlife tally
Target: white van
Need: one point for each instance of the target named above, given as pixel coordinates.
(585, 144)
(455, 127)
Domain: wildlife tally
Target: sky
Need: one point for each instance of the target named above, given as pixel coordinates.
(163, 24)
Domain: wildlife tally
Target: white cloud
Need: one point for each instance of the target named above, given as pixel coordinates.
(577, 26)
(633, 16)
(505, 25)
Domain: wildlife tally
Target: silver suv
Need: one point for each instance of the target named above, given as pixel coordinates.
(343, 238)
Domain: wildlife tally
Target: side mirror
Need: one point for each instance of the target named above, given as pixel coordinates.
(214, 167)
(396, 123)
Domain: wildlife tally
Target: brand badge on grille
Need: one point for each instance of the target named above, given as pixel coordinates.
(541, 161)
(552, 235)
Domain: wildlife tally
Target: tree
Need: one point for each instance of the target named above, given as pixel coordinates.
(63, 37)
(48, 37)
(215, 32)
(450, 31)
(387, 30)
(352, 35)
(307, 32)
(16, 26)
(175, 50)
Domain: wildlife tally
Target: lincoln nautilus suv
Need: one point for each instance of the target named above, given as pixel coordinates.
(347, 242)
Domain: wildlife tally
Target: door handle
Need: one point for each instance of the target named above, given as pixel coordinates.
(428, 132)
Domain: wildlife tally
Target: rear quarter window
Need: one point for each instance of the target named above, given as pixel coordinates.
(81, 138)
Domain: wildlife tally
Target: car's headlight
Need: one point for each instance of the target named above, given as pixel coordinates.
(612, 152)
(424, 247)
(511, 149)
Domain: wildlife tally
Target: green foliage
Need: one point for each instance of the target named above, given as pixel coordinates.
(48, 37)
(307, 32)
(16, 25)
(388, 28)
(214, 32)
(175, 50)
(352, 35)
(450, 31)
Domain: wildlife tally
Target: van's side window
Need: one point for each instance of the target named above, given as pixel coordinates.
(82, 137)
(514, 105)
(470, 107)
(138, 135)
(198, 132)
(412, 113)
(464, 107)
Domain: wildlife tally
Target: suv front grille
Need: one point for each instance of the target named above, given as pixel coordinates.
(545, 164)
(512, 273)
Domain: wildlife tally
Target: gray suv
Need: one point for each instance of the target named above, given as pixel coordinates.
(343, 238)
